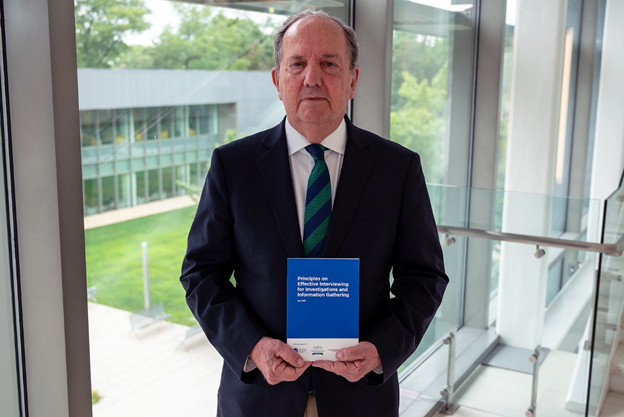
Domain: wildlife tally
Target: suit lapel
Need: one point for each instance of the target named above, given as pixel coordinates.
(356, 168)
(274, 167)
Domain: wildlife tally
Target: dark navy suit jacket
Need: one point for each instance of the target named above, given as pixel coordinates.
(247, 223)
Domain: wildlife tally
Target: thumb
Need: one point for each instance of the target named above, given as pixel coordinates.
(289, 355)
(349, 354)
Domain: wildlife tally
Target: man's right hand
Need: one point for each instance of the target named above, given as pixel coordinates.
(277, 361)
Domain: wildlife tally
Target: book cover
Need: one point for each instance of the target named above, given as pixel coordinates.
(323, 300)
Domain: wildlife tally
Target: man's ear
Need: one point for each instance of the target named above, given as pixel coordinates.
(354, 79)
(275, 78)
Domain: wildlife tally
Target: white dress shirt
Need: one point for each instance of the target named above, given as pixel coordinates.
(301, 163)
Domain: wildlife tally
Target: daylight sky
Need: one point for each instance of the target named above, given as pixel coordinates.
(164, 14)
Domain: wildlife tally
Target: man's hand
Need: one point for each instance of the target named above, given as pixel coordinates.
(277, 361)
(353, 362)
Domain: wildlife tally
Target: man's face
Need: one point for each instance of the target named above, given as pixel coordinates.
(315, 82)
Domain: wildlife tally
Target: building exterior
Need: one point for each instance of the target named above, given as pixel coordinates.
(147, 135)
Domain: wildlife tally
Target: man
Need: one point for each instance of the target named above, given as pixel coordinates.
(253, 215)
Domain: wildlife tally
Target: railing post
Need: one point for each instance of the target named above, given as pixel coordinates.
(534, 359)
(146, 291)
(449, 391)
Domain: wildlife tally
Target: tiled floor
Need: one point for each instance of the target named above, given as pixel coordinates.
(613, 406)
(467, 412)
(508, 393)
(499, 392)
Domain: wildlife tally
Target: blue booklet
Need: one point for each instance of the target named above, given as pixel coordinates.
(323, 301)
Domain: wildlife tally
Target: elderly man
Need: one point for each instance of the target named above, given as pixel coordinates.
(256, 211)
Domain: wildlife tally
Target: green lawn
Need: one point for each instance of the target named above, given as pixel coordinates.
(114, 262)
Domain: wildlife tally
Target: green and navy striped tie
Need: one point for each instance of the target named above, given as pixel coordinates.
(318, 205)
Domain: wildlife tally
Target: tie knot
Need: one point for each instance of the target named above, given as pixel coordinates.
(317, 151)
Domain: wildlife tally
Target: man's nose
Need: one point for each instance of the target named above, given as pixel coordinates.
(313, 76)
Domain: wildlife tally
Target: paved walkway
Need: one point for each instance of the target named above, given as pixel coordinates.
(142, 210)
(150, 375)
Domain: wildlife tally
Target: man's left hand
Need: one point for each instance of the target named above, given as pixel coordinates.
(353, 362)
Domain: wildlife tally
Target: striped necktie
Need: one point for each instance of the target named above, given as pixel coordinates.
(318, 205)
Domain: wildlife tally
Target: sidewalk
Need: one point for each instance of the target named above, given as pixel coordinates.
(151, 374)
(142, 210)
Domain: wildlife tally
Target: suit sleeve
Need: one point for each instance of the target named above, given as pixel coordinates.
(419, 278)
(206, 270)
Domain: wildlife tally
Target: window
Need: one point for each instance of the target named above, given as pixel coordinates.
(432, 67)
(199, 78)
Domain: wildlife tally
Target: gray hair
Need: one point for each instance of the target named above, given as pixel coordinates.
(354, 49)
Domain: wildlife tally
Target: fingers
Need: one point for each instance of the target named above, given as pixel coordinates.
(354, 362)
(360, 351)
(289, 355)
(277, 361)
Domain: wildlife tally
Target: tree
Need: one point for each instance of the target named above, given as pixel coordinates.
(419, 123)
(208, 40)
(421, 56)
(101, 26)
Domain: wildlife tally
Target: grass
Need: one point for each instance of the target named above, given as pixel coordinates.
(115, 266)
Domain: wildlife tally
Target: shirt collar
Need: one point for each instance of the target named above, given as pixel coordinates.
(336, 141)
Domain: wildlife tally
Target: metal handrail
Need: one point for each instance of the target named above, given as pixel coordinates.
(613, 249)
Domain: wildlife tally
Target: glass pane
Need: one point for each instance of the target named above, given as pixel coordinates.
(156, 103)
(153, 123)
(165, 159)
(91, 197)
(105, 127)
(122, 166)
(141, 191)
(204, 119)
(167, 121)
(124, 191)
(193, 113)
(153, 185)
(138, 149)
(108, 193)
(140, 125)
(122, 126)
(431, 98)
(167, 182)
(87, 128)
(12, 372)
(122, 151)
(89, 171)
(179, 121)
(193, 172)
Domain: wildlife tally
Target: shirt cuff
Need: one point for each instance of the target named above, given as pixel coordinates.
(251, 365)
(378, 370)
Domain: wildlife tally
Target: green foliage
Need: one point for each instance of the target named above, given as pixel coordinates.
(207, 40)
(100, 27)
(95, 397)
(421, 56)
(418, 123)
(114, 262)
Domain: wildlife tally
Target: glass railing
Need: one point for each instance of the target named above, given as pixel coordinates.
(608, 302)
(530, 214)
(522, 271)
